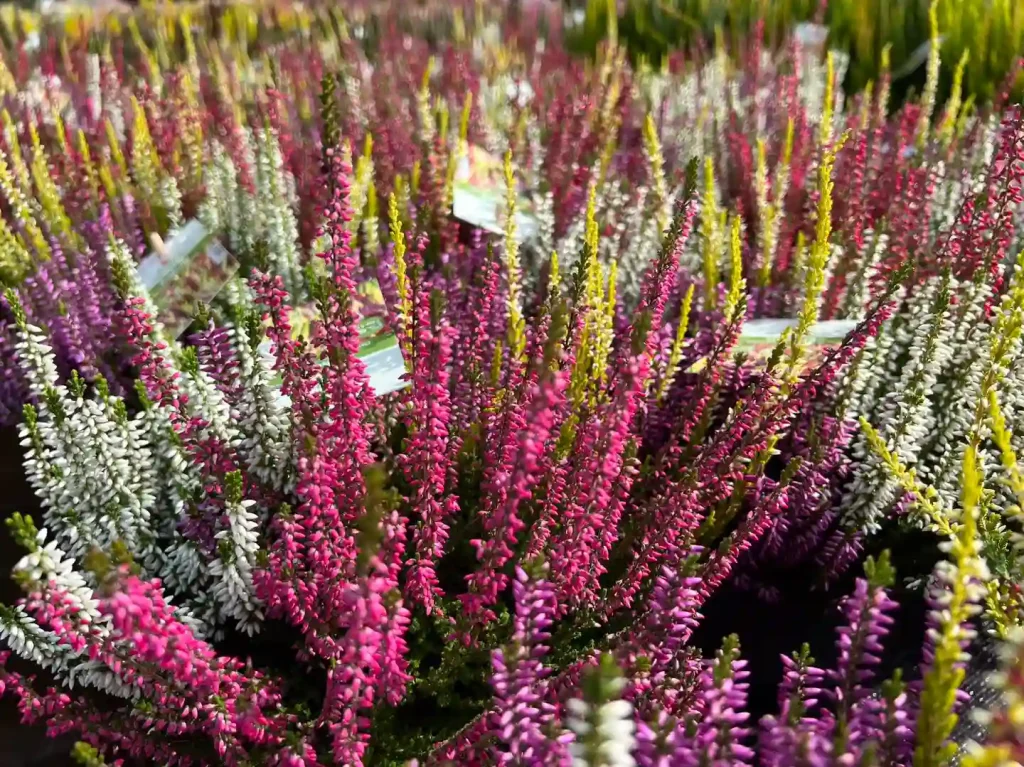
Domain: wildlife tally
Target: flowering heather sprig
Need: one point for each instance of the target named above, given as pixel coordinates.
(140, 327)
(796, 730)
(668, 621)
(837, 715)
(330, 463)
(907, 416)
(133, 646)
(216, 358)
(275, 200)
(46, 563)
(87, 458)
(427, 457)
(602, 720)
(954, 601)
(721, 729)
(860, 648)
(523, 716)
(345, 379)
(510, 480)
(266, 442)
(237, 546)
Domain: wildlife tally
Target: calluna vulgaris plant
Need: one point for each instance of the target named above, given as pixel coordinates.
(505, 561)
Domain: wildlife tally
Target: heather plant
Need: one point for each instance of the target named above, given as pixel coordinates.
(213, 137)
(940, 360)
(561, 405)
(245, 558)
(922, 377)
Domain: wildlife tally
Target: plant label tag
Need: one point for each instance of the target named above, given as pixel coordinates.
(190, 268)
(810, 35)
(478, 196)
(759, 337)
(378, 344)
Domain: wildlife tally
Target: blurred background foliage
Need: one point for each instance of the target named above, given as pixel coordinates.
(991, 30)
